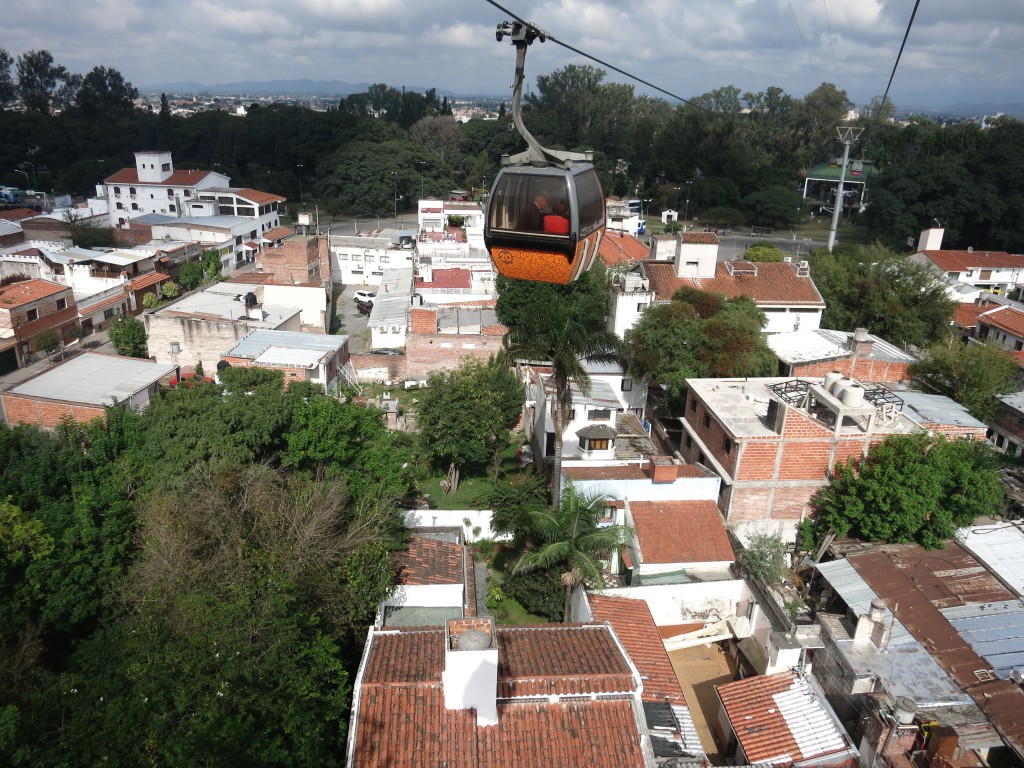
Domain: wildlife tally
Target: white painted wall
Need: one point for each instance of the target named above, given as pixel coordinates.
(454, 518)
(427, 595)
(689, 603)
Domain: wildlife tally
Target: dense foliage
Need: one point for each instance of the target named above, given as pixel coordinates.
(697, 335)
(910, 488)
(972, 374)
(872, 287)
(171, 594)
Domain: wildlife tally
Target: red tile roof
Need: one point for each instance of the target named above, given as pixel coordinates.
(619, 248)
(633, 623)
(176, 179)
(401, 718)
(150, 278)
(961, 261)
(278, 233)
(423, 320)
(258, 197)
(27, 291)
(430, 561)
(1005, 319)
(966, 315)
(700, 238)
(447, 278)
(764, 710)
(681, 532)
(775, 284)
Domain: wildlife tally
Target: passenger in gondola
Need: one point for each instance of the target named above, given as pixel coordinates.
(531, 218)
(557, 222)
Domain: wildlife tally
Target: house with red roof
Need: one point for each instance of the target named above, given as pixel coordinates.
(476, 695)
(28, 308)
(781, 719)
(677, 537)
(434, 582)
(153, 186)
(673, 733)
(970, 270)
(784, 291)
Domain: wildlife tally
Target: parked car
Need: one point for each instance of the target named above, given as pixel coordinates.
(364, 307)
(386, 352)
(364, 296)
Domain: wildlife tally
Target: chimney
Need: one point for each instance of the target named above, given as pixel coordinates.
(662, 469)
(861, 343)
(470, 677)
(871, 625)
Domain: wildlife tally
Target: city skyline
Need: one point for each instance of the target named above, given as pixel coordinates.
(956, 52)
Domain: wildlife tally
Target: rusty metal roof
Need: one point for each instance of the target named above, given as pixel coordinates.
(912, 577)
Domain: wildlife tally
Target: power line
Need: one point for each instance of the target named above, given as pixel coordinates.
(898, 56)
(831, 42)
(803, 40)
(603, 63)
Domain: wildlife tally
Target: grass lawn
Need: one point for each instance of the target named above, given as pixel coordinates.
(509, 610)
(474, 490)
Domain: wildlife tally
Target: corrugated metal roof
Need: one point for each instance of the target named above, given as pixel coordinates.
(994, 630)
(95, 379)
(937, 409)
(823, 344)
(260, 342)
(1001, 548)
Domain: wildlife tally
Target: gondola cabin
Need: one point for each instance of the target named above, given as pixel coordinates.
(545, 224)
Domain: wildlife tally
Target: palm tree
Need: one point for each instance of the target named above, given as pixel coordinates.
(573, 541)
(566, 331)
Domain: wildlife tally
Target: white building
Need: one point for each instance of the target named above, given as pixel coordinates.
(362, 260)
(154, 186)
(968, 271)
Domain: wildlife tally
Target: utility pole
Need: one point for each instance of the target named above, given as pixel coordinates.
(848, 135)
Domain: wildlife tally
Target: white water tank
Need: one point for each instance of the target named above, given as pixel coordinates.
(831, 378)
(905, 710)
(840, 386)
(853, 396)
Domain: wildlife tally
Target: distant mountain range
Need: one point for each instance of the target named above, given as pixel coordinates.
(303, 87)
(962, 109)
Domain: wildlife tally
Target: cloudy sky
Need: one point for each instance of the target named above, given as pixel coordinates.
(958, 50)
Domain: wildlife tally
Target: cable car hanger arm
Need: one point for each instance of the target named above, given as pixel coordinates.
(523, 34)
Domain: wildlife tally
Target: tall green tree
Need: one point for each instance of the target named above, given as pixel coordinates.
(564, 326)
(872, 287)
(105, 93)
(465, 416)
(697, 335)
(971, 374)
(128, 335)
(573, 541)
(8, 89)
(910, 488)
(40, 80)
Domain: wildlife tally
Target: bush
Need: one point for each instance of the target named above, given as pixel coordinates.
(764, 558)
(539, 592)
(151, 301)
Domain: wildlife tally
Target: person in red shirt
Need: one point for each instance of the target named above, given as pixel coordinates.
(557, 222)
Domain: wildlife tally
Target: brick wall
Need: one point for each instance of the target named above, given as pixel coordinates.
(865, 369)
(427, 353)
(197, 339)
(298, 260)
(47, 413)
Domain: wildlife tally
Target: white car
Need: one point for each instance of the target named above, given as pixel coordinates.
(364, 296)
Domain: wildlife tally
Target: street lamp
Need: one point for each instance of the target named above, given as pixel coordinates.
(675, 205)
(394, 178)
(303, 202)
(421, 164)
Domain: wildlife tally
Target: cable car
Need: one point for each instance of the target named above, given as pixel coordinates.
(546, 212)
(545, 224)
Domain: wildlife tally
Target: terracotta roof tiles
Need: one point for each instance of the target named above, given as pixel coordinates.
(430, 561)
(27, 291)
(775, 284)
(447, 278)
(278, 233)
(1005, 319)
(966, 315)
(627, 472)
(402, 720)
(176, 179)
(777, 719)
(681, 532)
(633, 623)
(962, 261)
(17, 214)
(259, 197)
(148, 279)
(700, 238)
(621, 248)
